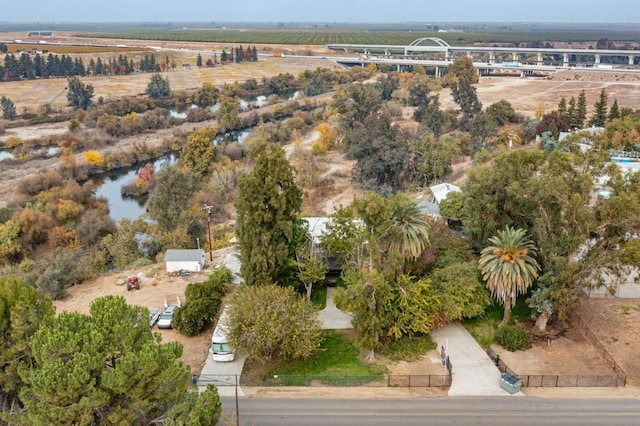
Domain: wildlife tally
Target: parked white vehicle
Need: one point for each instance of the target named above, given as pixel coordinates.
(167, 317)
(220, 347)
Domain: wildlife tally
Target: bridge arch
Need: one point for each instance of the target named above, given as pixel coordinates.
(436, 40)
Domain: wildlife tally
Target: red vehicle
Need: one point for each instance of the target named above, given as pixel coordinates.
(133, 283)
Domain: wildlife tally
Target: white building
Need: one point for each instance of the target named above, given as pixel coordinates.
(184, 260)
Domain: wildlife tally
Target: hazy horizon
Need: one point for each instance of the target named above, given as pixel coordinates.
(329, 11)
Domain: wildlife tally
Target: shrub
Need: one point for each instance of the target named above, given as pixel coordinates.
(94, 158)
(513, 337)
(191, 318)
(203, 302)
(74, 124)
(34, 184)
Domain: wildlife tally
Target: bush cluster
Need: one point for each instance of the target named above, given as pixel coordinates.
(513, 337)
(203, 302)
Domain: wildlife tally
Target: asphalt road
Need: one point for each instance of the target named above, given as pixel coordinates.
(448, 411)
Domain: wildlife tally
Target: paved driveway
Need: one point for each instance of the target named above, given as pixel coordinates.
(333, 318)
(474, 373)
(223, 375)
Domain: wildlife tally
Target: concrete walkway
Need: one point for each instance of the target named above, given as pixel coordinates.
(474, 373)
(221, 374)
(333, 318)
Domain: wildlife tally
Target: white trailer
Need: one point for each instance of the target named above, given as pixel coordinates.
(220, 349)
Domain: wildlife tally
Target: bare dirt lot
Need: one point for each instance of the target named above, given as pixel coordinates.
(616, 324)
(526, 94)
(156, 287)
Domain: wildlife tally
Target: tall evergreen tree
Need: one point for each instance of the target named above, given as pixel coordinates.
(599, 118)
(465, 95)
(158, 87)
(571, 113)
(562, 106)
(79, 94)
(8, 108)
(614, 112)
(268, 204)
(581, 110)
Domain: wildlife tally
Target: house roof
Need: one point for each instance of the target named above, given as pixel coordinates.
(441, 191)
(176, 255)
(317, 226)
(429, 208)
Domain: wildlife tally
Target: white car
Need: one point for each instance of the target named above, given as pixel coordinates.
(167, 317)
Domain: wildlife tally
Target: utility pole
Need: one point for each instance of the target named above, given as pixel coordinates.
(208, 209)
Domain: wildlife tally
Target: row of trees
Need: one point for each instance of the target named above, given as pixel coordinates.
(25, 67)
(236, 55)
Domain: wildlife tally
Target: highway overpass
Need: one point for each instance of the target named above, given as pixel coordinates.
(436, 49)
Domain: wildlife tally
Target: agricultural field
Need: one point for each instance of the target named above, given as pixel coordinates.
(315, 36)
(67, 49)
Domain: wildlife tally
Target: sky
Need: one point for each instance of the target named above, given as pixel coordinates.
(373, 11)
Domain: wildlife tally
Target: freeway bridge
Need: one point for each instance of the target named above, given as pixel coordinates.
(435, 52)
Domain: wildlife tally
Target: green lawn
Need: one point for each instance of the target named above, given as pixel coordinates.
(485, 328)
(319, 297)
(337, 357)
(408, 348)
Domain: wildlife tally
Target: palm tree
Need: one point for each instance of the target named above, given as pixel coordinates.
(508, 268)
(409, 234)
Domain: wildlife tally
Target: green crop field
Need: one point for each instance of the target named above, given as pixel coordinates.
(306, 36)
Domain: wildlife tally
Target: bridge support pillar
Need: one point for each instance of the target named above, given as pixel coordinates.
(597, 59)
(515, 56)
(539, 58)
(632, 59)
(492, 57)
(387, 52)
(565, 59)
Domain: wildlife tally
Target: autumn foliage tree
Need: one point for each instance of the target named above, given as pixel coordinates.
(200, 151)
(94, 158)
(328, 137)
(271, 321)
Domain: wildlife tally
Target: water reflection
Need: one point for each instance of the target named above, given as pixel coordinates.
(111, 188)
(232, 137)
(181, 112)
(6, 154)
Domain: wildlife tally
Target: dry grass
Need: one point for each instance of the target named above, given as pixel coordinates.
(33, 93)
